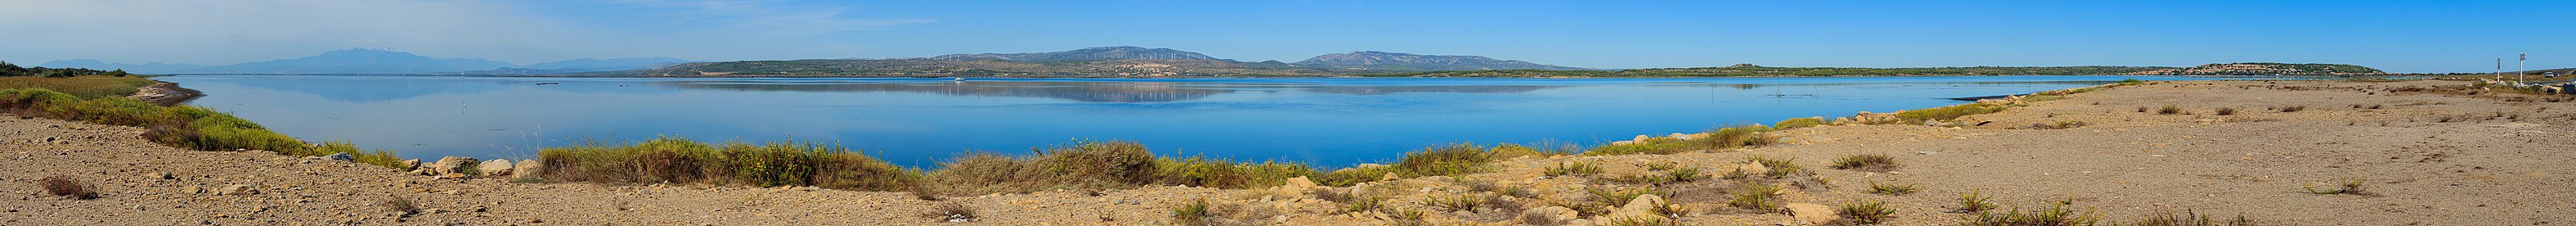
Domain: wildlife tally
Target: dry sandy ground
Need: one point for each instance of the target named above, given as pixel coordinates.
(2428, 158)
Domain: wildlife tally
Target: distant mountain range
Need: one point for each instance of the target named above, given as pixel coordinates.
(378, 61)
(1115, 61)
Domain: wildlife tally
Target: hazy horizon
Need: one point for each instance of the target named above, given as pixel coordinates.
(2406, 37)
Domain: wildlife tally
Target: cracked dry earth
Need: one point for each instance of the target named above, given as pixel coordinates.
(2426, 158)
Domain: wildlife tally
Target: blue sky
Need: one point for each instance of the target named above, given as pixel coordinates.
(2402, 36)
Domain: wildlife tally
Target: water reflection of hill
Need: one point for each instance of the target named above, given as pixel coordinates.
(1112, 92)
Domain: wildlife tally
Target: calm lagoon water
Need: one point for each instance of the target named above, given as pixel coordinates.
(915, 122)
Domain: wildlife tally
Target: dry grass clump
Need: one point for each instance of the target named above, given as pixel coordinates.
(675, 160)
(1890, 189)
(1205, 172)
(2350, 186)
(2226, 111)
(1573, 169)
(1799, 123)
(1720, 138)
(1866, 212)
(2058, 125)
(951, 212)
(1917, 116)
(1457, 202)
(2188, 218)
(1866, 162)
(1763, 198)
(2168, 110)
(66, 187)
(2057, 213)
(2293, 108)
(1193, 213)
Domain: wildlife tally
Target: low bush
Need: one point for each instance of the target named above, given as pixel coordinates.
(66, 187)
(2168, 110)
(2057, 213)
(83, 87)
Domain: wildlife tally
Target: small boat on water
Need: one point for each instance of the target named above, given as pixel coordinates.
(548, 83)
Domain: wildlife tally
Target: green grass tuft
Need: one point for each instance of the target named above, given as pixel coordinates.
(1866, 212)
(1573, 169)
(1763, 198)
(1890, 189)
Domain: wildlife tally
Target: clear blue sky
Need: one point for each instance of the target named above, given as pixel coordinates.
(2402, 36)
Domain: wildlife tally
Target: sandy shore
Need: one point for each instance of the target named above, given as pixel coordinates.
(2440, 158)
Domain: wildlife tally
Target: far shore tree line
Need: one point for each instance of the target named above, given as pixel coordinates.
(12, 70)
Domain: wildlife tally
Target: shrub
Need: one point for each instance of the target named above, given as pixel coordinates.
(1799, 123)
(1451, 160)
(1354, 175)
(2226, 111)
(2294, 108)
(1866, 162)
(66, 187)
(1509, 151)
(1866, 212)
(854, 171)
(1685, 174)
(2169, 109)
(1097, 164)
(1193, 213)
(1367, 204)
(1204, 172)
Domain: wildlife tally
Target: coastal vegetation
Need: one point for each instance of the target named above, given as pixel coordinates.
(183, 126)
(13, 70)
(82, 86)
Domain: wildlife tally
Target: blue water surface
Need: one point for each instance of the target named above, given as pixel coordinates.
(918, 121)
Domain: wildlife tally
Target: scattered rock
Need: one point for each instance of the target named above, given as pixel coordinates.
(344, 157)
(159, 176)
(237, 190)
(1812, 213)
(527, 168)
(496, 167)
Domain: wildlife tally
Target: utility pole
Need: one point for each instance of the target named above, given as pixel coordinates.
(2517, 67)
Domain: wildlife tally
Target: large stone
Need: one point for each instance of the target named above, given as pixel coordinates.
(1812, 213)
(237, 190)
(412, 164)
(527, 168)
(496, 167)
(338, 157)
(1643, 204)
(450, 165)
